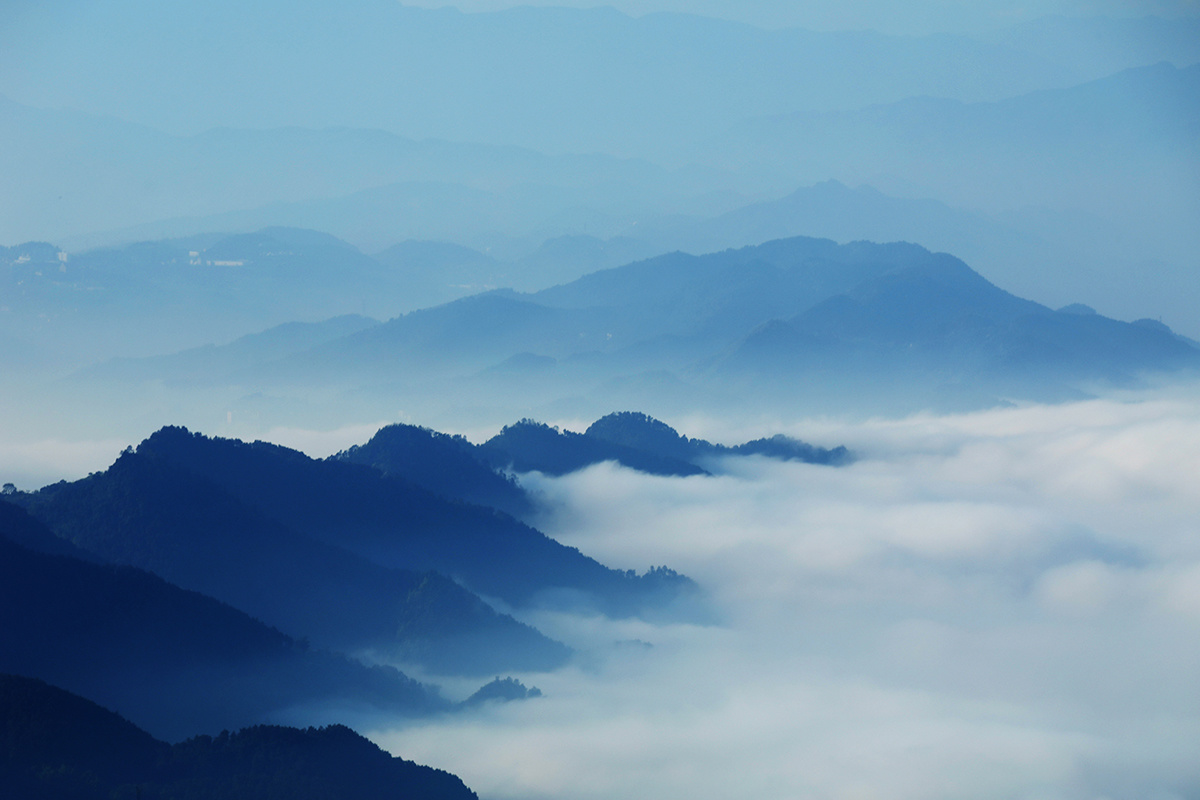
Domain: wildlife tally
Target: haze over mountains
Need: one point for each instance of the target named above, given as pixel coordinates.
(136, 586)
(1086, 122)
(676, 334)
(679, 399)
(472, 88)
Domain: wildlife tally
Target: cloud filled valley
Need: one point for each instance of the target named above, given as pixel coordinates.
(673, 399)
(997, 604)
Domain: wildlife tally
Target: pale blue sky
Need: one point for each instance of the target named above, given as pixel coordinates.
(888, 16)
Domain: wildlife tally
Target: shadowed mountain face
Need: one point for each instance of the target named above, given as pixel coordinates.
(56, 744)
(344, 526)
(166, 516)
(175, 661)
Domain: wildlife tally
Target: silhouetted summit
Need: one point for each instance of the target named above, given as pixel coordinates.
(164, 509)
(445, 465)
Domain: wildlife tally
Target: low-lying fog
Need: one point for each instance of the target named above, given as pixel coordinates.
(1001, 604)
(998, 604)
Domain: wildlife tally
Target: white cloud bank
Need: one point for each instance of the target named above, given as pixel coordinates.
(1003, 604)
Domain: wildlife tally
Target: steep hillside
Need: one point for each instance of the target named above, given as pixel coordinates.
(381, 519)
(149, 512)
(174, 661)
(56, 744)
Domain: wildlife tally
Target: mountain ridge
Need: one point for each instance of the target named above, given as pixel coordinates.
(175, 661)
(148, 512)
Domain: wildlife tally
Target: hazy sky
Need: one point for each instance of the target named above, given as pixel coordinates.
(888, 16)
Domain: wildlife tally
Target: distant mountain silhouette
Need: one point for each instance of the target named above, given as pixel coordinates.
(165, 515)
(175, 661)
(737, 327)
(434, 88)
(1118, 147)
(684, 306)
(1106, 44)
(235, 361)
(198, 290)
(721, 295)
(561, 259)
(940, 316)
(55, 744)
(1092, 254)
(440, 271)
(472, 333)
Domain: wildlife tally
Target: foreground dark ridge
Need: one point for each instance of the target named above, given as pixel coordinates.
(175, 661)
(55, 744)
(159, 514)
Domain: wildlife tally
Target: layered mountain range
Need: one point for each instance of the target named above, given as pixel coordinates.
(202, 583)
(753, 324)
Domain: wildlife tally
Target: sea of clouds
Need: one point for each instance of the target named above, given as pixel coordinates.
(998, 604)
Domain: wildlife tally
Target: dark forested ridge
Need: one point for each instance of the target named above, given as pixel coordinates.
(445, 465)
(636, 441)
(527, 446)
(397, 524)
(55, 744)
(643, 432)
(453, 467)
(175, 661)
(158, 514)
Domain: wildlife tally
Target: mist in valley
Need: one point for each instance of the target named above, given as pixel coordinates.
(997, 604)
(804, 399)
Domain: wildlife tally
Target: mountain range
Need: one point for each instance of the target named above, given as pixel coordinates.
(674, 334)
(456, 70)
(200, 584)
(850, 312)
